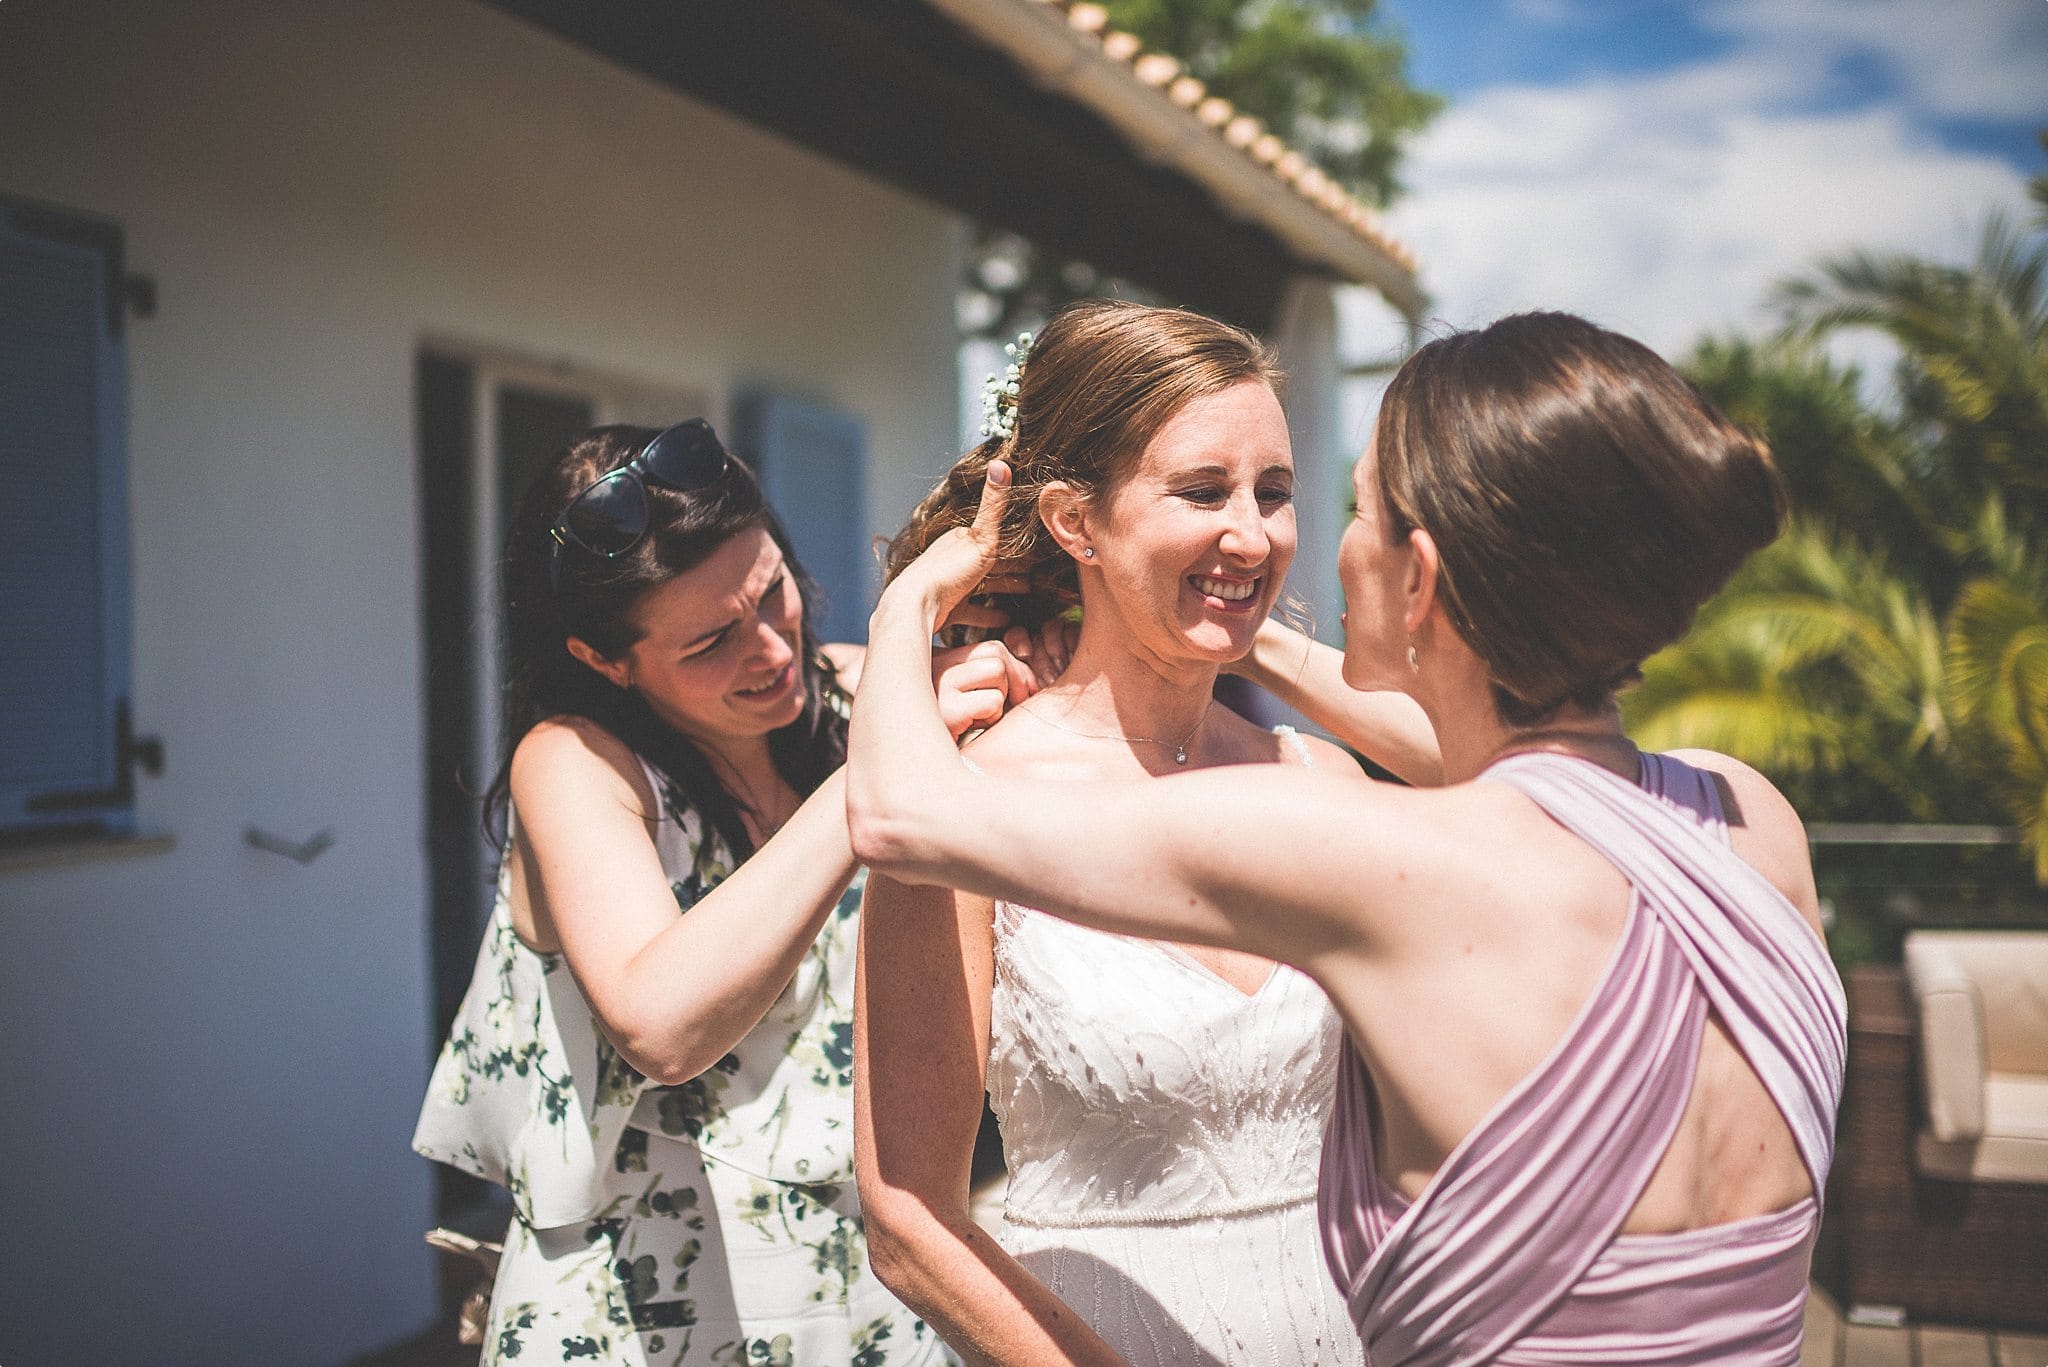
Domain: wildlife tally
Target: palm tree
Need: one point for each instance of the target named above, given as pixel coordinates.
(1821, 666)
(1848, 468)
(1889, 656)
(1996, 657)
(1972, 377)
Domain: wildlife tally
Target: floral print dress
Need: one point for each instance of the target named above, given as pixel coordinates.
(710, 1222)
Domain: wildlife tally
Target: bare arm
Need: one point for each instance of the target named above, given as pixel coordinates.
(920, 1048)
(673, 992)
(1386, 727)
(1171, 859)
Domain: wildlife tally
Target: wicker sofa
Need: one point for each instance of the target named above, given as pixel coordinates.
(1940, 1196)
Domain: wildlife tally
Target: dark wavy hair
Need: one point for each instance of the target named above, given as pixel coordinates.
(1585, 499)
(592, 598)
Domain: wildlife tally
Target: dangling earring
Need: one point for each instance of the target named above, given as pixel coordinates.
(1414, 663)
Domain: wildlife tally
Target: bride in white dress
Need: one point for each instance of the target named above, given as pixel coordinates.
(1162, 1106)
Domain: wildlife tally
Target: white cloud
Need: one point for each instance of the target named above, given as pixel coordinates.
(1961, 58)
(1666, 205)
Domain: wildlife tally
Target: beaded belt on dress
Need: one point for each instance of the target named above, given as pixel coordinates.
(1112, 1214)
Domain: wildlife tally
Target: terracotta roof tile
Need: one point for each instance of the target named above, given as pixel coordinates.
(1161, 70)
(1216, 118)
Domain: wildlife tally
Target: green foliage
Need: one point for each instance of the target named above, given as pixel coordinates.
(1847, 468)
(1823, 668)
(1997, 658)
(1972, 377)
(1887, 659)
(1326, 75)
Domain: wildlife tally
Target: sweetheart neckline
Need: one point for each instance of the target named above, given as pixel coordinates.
(1182, 956)
(1170, 952)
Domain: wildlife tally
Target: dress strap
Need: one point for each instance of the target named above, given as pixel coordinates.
(1760, 964)
(1513, 1219)
(1689, 789)
(1526, 1203)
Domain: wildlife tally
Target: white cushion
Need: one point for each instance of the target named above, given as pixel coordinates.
(1952, 1050)
(1982, 998)
(2015, 1143)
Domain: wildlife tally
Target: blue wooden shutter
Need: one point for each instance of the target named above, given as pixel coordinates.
(812, 460)
(64, 589)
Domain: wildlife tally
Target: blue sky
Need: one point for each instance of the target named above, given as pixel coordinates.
(1657, 164)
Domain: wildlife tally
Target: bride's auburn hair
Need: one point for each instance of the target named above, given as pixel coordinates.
(1102, 377)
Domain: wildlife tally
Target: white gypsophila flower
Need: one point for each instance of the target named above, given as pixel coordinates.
(999, 394)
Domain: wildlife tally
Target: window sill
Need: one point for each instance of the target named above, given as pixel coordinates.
(85, 850)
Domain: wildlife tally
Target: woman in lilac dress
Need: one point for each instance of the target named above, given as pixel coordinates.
(1594, 1042)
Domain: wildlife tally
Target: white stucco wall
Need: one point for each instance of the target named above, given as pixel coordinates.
(213, 1057)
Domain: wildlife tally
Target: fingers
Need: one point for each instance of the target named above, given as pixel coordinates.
(1019, 682)
(975, 686)
(968, 669)
(1005, 670)
(995, 497)
(976, 709)
(952, 566)
(1046, 651)
(1057, 639)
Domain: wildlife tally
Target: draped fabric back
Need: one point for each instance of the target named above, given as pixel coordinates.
(1523, 1215)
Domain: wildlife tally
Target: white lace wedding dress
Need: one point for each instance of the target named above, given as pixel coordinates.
(1162, 1131)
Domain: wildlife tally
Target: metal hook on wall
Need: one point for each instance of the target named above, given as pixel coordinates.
(299, 852)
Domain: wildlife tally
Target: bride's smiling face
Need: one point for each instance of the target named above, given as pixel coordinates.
(1191, 548)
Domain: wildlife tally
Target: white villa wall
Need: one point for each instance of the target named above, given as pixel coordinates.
(212, 1056)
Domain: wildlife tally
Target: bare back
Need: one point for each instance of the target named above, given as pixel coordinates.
(1503, 954)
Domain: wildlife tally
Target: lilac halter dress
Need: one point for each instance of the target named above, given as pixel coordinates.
(1511, 1253)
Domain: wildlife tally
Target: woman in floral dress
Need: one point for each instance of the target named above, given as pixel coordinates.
(654, 1055)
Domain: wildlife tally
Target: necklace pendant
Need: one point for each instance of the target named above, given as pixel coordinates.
(1180, 755)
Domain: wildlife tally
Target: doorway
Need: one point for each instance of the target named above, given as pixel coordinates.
(486, 424)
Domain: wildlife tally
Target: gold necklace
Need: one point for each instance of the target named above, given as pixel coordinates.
(1180, 747)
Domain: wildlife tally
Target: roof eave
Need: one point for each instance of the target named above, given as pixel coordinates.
(1071, 63)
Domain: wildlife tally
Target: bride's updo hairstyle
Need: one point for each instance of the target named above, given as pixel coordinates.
(1584, 497)
(1102, 377)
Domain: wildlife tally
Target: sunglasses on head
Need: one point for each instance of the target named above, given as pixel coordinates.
(609, 518)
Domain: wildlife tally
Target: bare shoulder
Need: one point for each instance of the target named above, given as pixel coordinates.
(1244, 741)
(1766, 831)
(567, 761)
(1020, 745)
(1396, 871)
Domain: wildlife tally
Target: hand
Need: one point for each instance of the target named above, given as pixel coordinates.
(1045, 652)
(958, 563)
(976, 684)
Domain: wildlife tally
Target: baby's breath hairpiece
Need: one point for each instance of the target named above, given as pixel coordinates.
(999, 395)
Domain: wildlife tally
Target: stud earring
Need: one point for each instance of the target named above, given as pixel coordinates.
(1414, 663)
(1088, 553)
